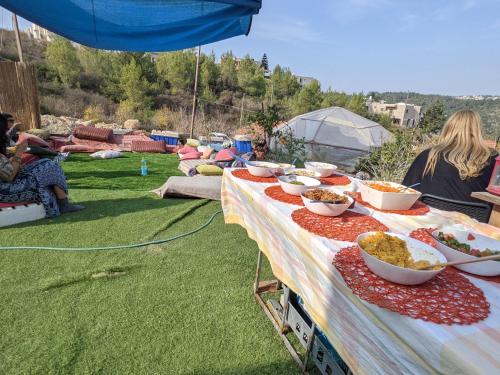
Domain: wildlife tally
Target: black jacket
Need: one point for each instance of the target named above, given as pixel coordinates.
(446, 182)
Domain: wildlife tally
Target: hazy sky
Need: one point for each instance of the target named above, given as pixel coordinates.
(429, 46)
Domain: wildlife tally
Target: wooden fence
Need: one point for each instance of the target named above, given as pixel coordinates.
(19, 93)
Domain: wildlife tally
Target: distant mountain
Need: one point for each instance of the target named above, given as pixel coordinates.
(487, 106)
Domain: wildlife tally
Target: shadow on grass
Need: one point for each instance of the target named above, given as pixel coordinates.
(283, 367)
(102, 208)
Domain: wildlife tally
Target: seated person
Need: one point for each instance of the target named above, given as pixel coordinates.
(459, 164)
(42, 180)
(40, 152)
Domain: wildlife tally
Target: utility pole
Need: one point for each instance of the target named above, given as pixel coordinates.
(18, 37)
(193, 113)
(241, 111)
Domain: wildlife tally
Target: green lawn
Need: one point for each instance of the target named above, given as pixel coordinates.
(182, 308)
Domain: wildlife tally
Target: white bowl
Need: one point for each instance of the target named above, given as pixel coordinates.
(486, 268)
(324, 169)
(326, 209)
(406, 276)
(284, 168)
(262, 168)
(388, 201)
(297, 189)
(303, 172)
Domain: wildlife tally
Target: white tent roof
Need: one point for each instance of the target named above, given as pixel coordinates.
(338, 127)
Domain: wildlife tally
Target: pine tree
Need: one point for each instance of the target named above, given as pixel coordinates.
(434, 118)
(264, 64)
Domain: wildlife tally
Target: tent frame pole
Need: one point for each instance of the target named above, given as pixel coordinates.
(193, 112)
(18, 37)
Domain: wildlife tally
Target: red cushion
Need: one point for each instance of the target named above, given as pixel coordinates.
(224, 155)
(148, 146)
(94, 134)
(187, 150)
(191, 155)
(28, 158)
(32, 140)
(10, 204)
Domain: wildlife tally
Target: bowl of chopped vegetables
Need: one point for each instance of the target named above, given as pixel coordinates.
(262, 168)
(388, 195)
(324, 169)
(397, 258)
(296, 185)
(326, 202)
(458, 244)
(303, 172)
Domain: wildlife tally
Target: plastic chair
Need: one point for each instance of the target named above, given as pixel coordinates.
(479, 211)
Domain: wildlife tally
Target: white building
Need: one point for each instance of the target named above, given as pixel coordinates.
(39, 33)
(304, 80)
(402, 114)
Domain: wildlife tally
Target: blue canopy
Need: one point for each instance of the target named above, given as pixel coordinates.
(140, 25)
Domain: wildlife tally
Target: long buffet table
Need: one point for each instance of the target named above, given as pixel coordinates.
(370, 339)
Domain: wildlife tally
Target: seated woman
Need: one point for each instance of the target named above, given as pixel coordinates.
(459, 164)
(42, 180)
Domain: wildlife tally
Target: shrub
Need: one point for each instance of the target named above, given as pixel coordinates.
(391, 161)
(126, 110)
(94, 113)
(162, 119)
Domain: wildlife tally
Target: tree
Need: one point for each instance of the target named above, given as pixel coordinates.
(357, 104)
(135, 87)
(283, 83)
(228, 75)
(264, 64)
(266, 120)
(61, 56)
(308, 99)
(334, 99)
(251, 78)
(178, 69)
(434, 118)
(209, 74)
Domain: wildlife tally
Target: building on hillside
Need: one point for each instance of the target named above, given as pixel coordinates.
(40, 34)
(402, 114)
(304, 80)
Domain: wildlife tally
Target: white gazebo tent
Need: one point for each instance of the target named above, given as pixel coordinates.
(336, 135)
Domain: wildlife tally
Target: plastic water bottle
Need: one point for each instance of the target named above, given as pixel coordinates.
(144, 167)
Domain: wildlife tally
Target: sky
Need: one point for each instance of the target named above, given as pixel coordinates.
(449, 47)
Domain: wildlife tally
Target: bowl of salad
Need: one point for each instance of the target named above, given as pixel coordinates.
(459, 244)
(295, 185)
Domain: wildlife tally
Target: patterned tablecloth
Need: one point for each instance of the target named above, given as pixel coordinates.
(371, 340)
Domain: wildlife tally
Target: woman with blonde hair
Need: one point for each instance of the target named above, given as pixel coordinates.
(459, 164)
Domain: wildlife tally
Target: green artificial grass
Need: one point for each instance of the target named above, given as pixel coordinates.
(182, 308)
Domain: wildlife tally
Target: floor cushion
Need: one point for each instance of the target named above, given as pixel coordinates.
(186, 165)
(187, 150)
(148, 146)
(192, 142)
(207, 153)
(209, 170)
(207, 187)
(225, 154)
(93, 134)
(16, 213)
(76, 148)
(191, 155)
(32, 140)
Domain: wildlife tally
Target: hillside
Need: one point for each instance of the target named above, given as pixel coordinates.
(488, 109)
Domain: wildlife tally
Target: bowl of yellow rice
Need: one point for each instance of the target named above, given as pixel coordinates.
(397, 258)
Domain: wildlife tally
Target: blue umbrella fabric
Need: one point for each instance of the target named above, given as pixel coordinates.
(140, 25)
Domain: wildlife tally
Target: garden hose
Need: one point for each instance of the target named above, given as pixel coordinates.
(117, 247)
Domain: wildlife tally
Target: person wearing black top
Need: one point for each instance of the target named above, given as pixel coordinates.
(459, 164)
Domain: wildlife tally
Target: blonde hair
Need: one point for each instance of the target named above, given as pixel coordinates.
(461, 144)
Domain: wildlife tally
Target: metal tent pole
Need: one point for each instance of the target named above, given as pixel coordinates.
(193, 113)
(18, 37)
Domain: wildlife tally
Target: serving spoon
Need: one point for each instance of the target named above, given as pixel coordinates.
(459, 262)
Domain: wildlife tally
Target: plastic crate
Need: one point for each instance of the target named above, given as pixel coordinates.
(243, 146)
(172, 141)
(324, 360)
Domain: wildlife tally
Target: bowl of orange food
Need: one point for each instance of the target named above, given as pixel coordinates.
(388, 195)
(397, 258)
